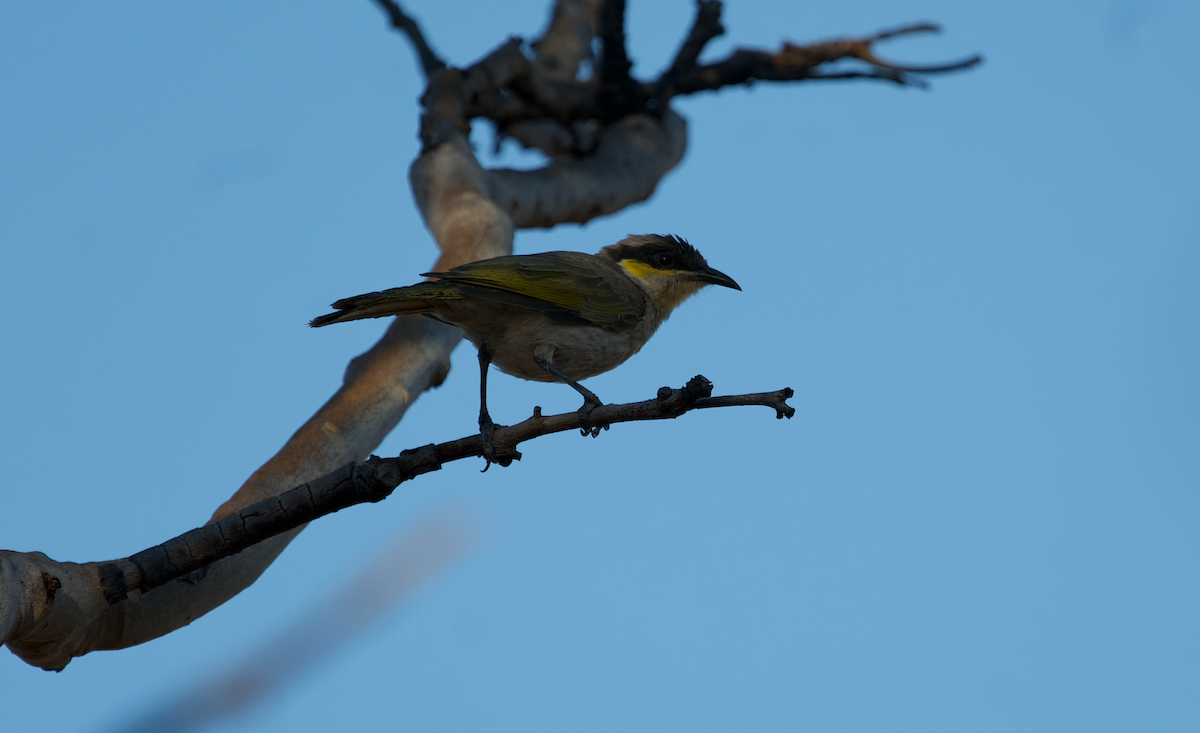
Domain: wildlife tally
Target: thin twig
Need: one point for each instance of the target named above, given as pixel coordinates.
(906, 30)
(894, 77)
(705, 27)
(777, 400)
(801, 63)
(864, 50)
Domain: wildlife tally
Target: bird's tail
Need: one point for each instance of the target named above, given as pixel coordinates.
(409, 300)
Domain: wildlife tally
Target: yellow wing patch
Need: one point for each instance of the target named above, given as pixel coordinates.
(566, 281)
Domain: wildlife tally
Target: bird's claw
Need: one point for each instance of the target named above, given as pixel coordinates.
(585, 426)
(487, 432)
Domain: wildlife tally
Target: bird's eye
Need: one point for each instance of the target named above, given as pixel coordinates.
(665, 260)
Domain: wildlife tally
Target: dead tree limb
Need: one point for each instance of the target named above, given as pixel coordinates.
(808, 63)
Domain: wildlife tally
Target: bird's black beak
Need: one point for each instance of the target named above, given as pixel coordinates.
(716, 277)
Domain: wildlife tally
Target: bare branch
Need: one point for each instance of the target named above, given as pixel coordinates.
(531, 96)
(705, 27)
(614, 64)
(778, 400)
(374, 480)
(388, 580)
(803, 63)
(863, 49)
(617, 95)
(401, 21)
(541, 109)
(873, 75)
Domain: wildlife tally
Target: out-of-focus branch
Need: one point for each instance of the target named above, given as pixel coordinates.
(614, 64)
(401, 21)
(705, 27)
(630, 159)
(341, 615)
(374, 480)
(617, 95)
(530, 96)
(567, 42)
(807, 63)
(542, 105)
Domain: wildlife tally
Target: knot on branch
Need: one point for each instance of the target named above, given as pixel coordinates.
(697, 388)
(675, 402)
(112, 583)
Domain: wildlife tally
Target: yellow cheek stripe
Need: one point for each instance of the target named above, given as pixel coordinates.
(640, 269)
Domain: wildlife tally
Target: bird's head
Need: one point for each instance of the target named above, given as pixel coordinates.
(669, 268)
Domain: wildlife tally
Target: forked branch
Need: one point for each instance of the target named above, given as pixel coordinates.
(705, 27)
(810, 62)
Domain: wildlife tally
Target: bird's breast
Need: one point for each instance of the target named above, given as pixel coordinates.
(514, 336)
(578, 352)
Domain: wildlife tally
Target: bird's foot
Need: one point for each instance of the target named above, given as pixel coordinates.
(585, 424)
(487, 432)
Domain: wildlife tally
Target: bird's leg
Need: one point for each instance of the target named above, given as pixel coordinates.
(590, 400)
(487, 428)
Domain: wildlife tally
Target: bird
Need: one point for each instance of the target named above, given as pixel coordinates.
(553, 316)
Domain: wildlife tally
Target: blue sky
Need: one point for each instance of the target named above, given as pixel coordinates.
(983, 516)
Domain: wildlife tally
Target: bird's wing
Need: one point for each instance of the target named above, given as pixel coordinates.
(566, 286)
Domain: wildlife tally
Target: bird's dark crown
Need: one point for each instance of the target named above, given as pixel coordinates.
(663, 252)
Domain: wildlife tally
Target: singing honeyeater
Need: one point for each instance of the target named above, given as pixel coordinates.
(555, 316)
